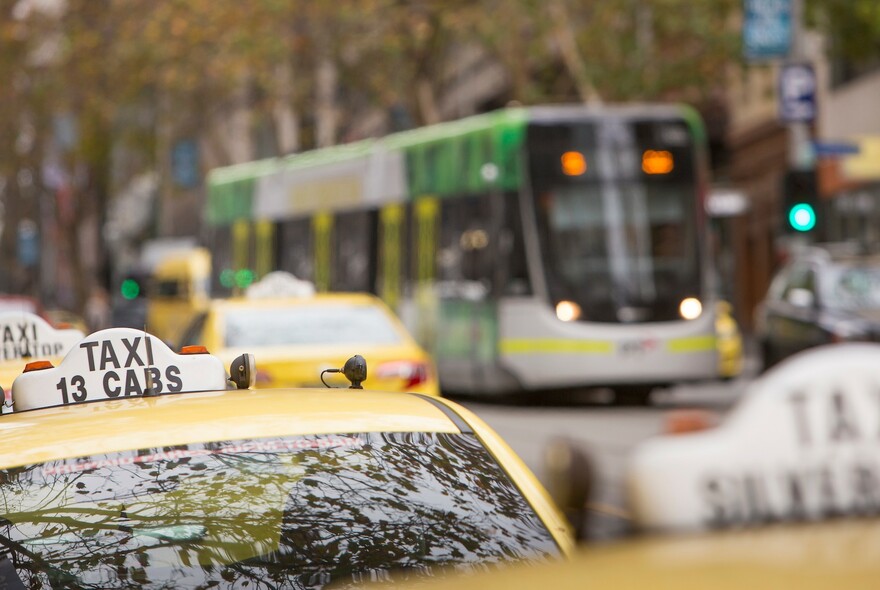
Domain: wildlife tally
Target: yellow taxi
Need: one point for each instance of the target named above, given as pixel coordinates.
(23, 336)
(729, 342)
(131, 466)
(298, 335)
(784, 493)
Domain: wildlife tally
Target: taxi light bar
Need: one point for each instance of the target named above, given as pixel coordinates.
(194, 349)
(688, 421)
(112, 364)
(38, 366)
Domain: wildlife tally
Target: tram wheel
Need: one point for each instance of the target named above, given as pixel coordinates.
(633, 395)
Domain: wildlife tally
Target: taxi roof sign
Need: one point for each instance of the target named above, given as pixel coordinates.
(114, 364)
(25, 335)
(801, 445)
(280, 283)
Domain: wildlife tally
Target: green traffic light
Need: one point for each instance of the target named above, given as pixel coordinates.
(227, 278)
(130, 289)
(802, 217)
(244, 277)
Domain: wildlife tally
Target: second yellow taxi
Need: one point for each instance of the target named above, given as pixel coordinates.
(298, 334)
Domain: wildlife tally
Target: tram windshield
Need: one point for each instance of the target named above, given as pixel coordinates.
(616, 203)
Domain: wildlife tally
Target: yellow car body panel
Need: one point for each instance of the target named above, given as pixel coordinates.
(169, 309)
(529, 485)
(9, 370)
(108, 426)
(729, 342)
(179, 419)
(301, 365)
(841, 554)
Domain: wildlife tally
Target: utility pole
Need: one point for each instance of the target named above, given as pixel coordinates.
(801, 211)
(801, 153)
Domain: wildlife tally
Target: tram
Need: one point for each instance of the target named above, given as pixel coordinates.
(528, 249)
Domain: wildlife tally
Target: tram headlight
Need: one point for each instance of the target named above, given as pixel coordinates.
(690, 308)
(568, 311)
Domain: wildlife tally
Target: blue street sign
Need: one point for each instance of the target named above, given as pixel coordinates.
(28, 243)
(797, 93)
(831, 148)
(185, 163)
(767, 28)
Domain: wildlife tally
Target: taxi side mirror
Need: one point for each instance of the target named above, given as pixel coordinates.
(569, 475)
(243, 371)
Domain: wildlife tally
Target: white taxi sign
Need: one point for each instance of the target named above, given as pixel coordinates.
(114, 364)
(803, 444)
(280, 283)
(26, 335)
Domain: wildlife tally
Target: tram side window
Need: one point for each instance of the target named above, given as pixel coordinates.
(353, 252)
(516, 272)
(294, 245)
(464, 259)
(220, 240)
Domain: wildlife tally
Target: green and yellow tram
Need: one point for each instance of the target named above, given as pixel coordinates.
(528, 249)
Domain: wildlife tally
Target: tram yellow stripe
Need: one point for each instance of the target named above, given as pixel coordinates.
(692, 344)
(548, 346)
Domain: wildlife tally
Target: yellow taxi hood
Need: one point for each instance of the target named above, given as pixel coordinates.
(175, 419)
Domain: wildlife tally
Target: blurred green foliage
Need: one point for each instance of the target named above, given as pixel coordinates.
(852, 30)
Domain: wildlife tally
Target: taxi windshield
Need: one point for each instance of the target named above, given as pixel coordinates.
(292, 512)
(308, 324)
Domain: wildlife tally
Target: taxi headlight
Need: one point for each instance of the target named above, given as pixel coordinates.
(690, 308)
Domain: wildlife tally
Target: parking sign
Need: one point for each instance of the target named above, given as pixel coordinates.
(797, 93)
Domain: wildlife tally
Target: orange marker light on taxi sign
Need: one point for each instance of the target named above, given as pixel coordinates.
(37, 366)
(657, 162)
(194, 349)
(573, 163)
(688, 421)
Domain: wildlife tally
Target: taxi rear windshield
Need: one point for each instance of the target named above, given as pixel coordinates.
(310, 324)
(287, 512)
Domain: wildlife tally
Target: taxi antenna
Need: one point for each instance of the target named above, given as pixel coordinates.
(355, 370)
(328, 371)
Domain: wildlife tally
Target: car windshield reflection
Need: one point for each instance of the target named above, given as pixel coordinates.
(853, 288)
(311, 324)
(298, 512)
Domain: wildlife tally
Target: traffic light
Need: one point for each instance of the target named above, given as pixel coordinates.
(133, 286)
(800, 198)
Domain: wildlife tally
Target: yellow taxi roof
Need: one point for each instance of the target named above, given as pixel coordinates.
(106, 426)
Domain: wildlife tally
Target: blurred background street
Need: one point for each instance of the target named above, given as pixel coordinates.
(552, 196)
